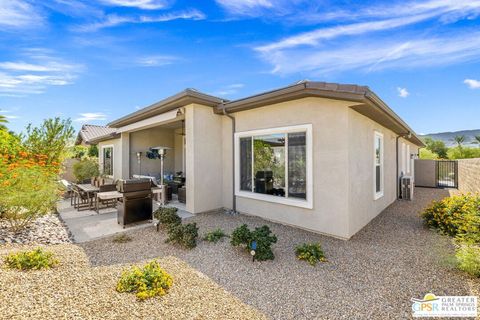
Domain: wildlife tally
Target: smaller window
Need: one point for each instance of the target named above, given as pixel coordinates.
(107, 161)
(378, 165)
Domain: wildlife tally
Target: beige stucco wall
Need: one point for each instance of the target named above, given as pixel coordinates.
(204, 158)
(329, 119)
(469, 175)
(141, 141)
(118, 156)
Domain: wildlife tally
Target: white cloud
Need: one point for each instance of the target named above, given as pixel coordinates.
(141, 4)
(114, 20)
(35, 76)
(230, 89)
(246, 7)
(472, 84)
(155, 61)
(376, 55)
(19, 14)
(91, 116)
(403, 92)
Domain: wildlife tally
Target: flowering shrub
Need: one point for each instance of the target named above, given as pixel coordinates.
(28, 177)
(310, 252)
(457, 216)
(146, 282)
(27, 260)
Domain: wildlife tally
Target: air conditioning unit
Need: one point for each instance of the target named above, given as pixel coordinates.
(406, 187)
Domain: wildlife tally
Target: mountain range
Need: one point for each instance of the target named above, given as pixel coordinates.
(448, 137)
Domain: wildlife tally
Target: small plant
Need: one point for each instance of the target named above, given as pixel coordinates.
(31, 260)
(262, 236)
(167, 216)
(310, 252)
(215, 235)
(183, 234)
(122, 238)
(468, 259)
(147, 281)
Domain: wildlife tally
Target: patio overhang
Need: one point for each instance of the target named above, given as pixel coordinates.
(164, 118)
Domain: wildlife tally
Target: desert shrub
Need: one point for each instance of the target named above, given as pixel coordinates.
(310, 252)
(122, 238)
(215, 235)
(31, 260)
(167, 216)
(147, 281)
(457, 216)
(468, 259)
(86, 169)
(183, 234)
(243, 236)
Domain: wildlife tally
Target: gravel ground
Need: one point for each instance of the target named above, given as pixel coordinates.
(373, 275)
(48, 229)
(75, 290)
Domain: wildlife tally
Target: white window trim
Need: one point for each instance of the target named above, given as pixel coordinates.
(407, 159)
(308, 203)
(378, 195)
(113, 162)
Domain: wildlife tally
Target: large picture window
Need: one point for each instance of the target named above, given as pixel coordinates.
(107, 155)
(275, 165)
(378, 165)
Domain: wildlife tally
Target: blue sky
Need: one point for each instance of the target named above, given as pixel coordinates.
(94, 61)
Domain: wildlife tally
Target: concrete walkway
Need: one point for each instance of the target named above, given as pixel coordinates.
(87, 225)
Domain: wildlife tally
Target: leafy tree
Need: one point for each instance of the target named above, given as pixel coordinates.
(93, 151)
(51, 138)
(459, 140)
(427, 154)
(436, 146)
(3, 120)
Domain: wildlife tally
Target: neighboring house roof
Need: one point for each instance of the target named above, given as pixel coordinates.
(368, 104)
(90, 133)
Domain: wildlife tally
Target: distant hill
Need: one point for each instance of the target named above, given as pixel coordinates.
(447, 137)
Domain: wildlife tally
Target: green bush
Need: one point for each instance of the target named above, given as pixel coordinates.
(261, 235)
(167, 216)
(215, 235)
(146, 282)
(457, 216)
(468, 259)
(310, 252)
(183, 234)
(86, 169)
(31, 260)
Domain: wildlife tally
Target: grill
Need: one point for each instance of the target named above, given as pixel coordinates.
(136, 203)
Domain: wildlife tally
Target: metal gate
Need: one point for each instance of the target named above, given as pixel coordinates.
(446, 173)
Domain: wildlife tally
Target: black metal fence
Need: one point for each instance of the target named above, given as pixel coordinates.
(447, 173)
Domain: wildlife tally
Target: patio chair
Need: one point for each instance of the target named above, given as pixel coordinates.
(106, 188)
(80, 198)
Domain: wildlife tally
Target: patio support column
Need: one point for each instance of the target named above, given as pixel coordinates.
(125, 141)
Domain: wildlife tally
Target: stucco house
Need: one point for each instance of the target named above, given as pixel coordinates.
(320, 156)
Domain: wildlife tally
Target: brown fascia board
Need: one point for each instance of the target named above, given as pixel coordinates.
(361, 94)
(180, 99)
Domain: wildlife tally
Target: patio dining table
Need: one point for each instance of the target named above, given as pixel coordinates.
(88, 189)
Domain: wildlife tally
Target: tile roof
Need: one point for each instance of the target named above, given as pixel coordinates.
(91, 132)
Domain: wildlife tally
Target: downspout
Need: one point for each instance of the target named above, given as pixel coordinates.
(234, 199)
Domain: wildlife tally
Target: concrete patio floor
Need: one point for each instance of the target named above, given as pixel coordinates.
(87, 225)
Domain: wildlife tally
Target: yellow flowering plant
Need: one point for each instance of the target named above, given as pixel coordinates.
(31, 260)
(147, 281)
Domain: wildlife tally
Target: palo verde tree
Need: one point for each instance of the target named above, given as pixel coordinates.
(436, 146)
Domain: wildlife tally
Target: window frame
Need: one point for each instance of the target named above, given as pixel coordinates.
(303, 203)
(103, 159)
(379, 194)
